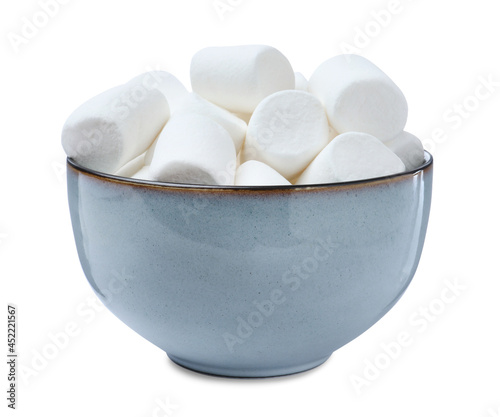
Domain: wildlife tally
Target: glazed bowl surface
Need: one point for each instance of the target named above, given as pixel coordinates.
(249, 281)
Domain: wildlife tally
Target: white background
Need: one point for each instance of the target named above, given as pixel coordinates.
(436, 51)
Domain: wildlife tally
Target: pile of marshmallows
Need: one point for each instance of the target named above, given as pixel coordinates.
(250, 121)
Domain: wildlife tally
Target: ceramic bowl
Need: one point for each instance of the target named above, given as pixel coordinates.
(249, 281)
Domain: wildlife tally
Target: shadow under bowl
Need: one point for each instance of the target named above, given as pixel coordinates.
(249, 281)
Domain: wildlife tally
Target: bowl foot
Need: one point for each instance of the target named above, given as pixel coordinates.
(235, 372)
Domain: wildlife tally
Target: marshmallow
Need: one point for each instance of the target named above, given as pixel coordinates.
(239, 77)
(236, 127)
(352, 156)
(257, 173)
(173, 90)
(114, 127)
(409, 149)
(286, 131)
(131, 167)
(301, 82)
(359, 97)
(193, 149)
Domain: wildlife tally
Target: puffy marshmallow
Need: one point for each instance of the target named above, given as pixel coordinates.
(131, 167)
(175, 93)
(239, 77)
(409, 149)
(286, 131)
(257, 173)
(352, 156)
(173, 90)
(193, 103)
(193, 149)
(301, 82)
(115, 126)
(358, 96)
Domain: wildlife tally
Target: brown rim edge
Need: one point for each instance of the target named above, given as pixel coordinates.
(429, 160)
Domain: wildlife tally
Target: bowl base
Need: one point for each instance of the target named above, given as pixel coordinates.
(246, 372)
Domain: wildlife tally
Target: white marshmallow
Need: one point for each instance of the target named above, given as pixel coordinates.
(193, 103)
(175, 93)
(239, 77)
(286, 131)
(143, 174)
(301, 82)
(131, 167)
(173, 90)
(114, 127)
(352, 156)
(257, 173)
(193, 149)
(359, 97)
(409, 149)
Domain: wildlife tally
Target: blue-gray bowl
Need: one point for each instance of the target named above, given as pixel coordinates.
(249, 281)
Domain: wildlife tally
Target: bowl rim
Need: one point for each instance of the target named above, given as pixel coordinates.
(428, 162)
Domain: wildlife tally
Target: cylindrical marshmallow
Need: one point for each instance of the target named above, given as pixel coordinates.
(359, 97)
(193, 149)
(256, 173)
(173, 90)
(301, 82)
(193, 103)
(111, 129)
(286, 131)
(352, 156)
(409, 149)
(239, 77)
